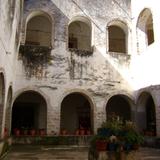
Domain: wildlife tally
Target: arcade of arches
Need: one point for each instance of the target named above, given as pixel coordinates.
(29, 111)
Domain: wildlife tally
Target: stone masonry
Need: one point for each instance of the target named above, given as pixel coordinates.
(98, 76)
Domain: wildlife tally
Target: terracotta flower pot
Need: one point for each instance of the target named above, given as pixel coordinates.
(17, 132)
(82, 132)
(88, 132)
(33, 132)
(64, 132)
(77, 132)
(42, 132)
(101, 145)
(5, 132)
(25, 132)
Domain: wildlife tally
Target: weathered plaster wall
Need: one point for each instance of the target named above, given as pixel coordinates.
(97, 75)
(149, 57)
(9, 20)
(145, 64)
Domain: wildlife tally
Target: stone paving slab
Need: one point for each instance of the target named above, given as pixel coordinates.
(150, 154)
(47, 153)
(31, 152)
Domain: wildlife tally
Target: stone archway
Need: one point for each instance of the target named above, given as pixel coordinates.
(146, 114)
(120, 106)
(29, 112)
(76, 113)
(8, 111)
(2, 94)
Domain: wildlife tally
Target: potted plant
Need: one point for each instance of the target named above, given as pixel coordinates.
(17, 132)
(5, 132)
(77, 132)
(64, 132)
(99, 143)
(82, 131)
(113, 126)
(33, 132)
(24, 131)
(42, 132)
(132, 137)
(116, 137)
(88, 132)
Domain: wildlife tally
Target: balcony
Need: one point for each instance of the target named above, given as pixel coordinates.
(82, 53)
(35, 59)
(35, 53)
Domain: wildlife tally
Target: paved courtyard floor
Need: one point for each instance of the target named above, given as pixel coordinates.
(149, 154)
(51, 153)
(32, 152)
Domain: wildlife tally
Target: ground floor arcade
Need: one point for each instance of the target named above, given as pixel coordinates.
(78, 113)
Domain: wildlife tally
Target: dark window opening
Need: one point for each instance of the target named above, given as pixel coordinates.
(73, 43)
(120, 107)
(39, 31)
(117, 40)
(79, 36)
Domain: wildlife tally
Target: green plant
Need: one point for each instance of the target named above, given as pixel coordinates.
(133, 137)
(120, 133)
(5, 148)
(113, 125)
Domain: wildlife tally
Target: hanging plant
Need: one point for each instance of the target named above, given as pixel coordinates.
(35, 58)
(35, 53)
(82, 53)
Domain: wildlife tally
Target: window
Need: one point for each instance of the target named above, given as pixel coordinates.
(79, 36)
(39, 31)
(145, 31)
(149, 30)
(117, 42)
(73, 42)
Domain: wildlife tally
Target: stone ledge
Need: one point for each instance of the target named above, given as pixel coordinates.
(53, 140)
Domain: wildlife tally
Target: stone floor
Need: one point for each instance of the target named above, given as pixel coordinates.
(65, 153)
(150, 154)
(47, 153)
